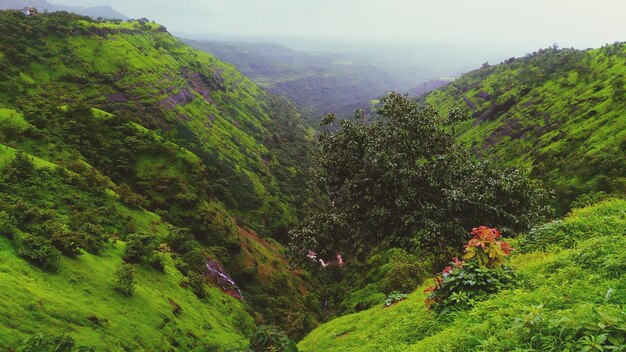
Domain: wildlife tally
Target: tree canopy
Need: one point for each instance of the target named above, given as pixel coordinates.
(403, 181)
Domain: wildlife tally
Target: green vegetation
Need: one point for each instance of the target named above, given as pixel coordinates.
(46, 212)
(318, 82)
(247, 140)
(561, 112)
(402, 182)
(125, 278)
(125, 145)
(147, 191)
(269, 338)
(482, 272)
(570, 297)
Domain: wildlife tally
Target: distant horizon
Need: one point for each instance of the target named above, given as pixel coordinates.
(520, 25)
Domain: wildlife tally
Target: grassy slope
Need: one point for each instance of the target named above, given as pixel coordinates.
(556, 111)
(207, 122)
(560, 287)
(32, 303)
(80, 298)
(259, 267)
(193, 97)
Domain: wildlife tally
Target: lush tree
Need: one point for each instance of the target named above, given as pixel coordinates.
(403, 181)
(125, 279)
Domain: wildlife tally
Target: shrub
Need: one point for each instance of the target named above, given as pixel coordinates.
(394, 297)
(463, 283)
(405, 273)
(8, 225)
(157, 262)
(271, 338)
(128, 197)
(139, 246)
(197, 284)
(125, 279)
(67, 242)
(93, 237)
(47, 343)
(40, 251)
(486, 249)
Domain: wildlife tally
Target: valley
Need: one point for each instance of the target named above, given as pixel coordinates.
(202, 194)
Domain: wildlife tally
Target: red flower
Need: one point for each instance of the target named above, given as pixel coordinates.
(446, 270)
(506, 247)
(485, 233)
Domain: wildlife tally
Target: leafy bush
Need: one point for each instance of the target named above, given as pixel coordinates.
(405, 273)
(128, 197)
(47, 343)
(157, 262)
(197, 284)
(463, 283)
(8, 225)
(67, 242)
(40, 251)
(485, 248)
(270, 338)
(139, 246)
(93, 237)
(394, 297)
(125, 279)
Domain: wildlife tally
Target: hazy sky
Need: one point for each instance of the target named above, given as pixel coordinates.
(588, 23)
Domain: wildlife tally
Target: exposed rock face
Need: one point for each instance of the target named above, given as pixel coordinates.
(183, 97)
(198, 82)
(216, 274)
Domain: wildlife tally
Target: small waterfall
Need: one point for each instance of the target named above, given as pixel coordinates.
(223, 281)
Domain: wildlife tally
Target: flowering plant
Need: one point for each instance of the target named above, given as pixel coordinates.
(486, 249)
(480, 273)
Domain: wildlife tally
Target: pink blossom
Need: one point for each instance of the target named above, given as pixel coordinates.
(311, 255)
(340, 260)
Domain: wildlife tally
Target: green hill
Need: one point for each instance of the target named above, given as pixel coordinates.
(571, 295)
(561, 112)
(318, 82)
(120, 144)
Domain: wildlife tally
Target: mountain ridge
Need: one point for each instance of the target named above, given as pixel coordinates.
(559, 112)
(148, 126)
(103, 11)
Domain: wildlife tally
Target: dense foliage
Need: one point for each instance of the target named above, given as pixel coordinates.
(187, 146)
(404, 182)
(561, 112)
(570, 297)
(248, 141)
(271, 339)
